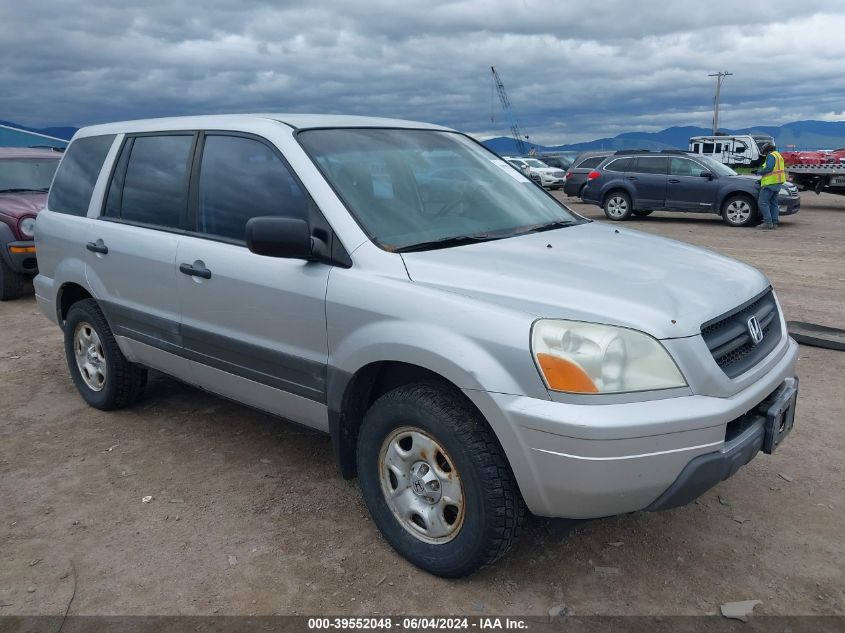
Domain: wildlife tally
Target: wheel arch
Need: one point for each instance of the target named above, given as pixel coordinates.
(69, 293)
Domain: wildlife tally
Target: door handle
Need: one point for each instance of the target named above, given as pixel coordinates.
(97, 247)
(631, 177)
(674, 181)
(192, 271)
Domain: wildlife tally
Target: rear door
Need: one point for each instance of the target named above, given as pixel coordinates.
(648, 177)
(687, 188)
(254, 327)
(131, 248)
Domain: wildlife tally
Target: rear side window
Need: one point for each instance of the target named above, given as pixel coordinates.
(242, 178)
(650, 165)
(589, 163)
(620, 164)
(684, 167)
(77, 175)
(153, 189)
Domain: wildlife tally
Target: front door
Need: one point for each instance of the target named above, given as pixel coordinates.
(253, 327)
(687, 188)
(131, 249)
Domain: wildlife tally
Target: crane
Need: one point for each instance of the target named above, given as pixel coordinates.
(516, 132)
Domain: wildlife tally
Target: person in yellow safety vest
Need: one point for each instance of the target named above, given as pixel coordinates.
(773, 174)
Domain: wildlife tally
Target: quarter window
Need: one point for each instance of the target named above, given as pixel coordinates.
(593, 161)
(78, 173)
(155, 185)
(620, 164)
(242, 178)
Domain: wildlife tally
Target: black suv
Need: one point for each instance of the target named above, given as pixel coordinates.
(576, 174)
(638, 182)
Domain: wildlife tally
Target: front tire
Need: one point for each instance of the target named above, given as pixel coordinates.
(11, 283)
(739, 211)
(617, 206)
(436, 481)
(100, 371)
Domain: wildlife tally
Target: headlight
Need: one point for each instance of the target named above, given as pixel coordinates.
(27, 227)
(578, 357)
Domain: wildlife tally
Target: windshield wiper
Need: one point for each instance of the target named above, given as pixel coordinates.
(547, 226)
(23, 189)
(449, 241)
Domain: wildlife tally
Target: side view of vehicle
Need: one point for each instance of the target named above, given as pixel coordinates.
(25, 176)
(636, 183)
(550, 177)
(730, 150)
(452, 327)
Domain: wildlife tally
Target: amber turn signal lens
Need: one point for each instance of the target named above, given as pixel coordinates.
(564, 375)
(19, 250)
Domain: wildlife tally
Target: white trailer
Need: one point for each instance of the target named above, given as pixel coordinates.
(734, 150)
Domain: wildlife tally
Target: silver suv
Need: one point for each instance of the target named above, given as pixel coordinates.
(474, 349)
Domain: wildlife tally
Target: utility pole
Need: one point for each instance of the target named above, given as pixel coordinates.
(720, 77)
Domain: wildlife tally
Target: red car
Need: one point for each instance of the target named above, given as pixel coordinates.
(25, 177)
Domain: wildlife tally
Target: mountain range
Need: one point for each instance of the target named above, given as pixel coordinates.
(801, 134)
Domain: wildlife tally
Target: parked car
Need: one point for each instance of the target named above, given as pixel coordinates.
(558, 161)
(576, 176)
(548, 176)
(25, 176)
(472, 353)
(637, 183)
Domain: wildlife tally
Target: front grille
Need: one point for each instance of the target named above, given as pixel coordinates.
(559, 174)
(728, 337)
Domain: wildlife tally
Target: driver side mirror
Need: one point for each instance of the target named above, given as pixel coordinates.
(286, 238)
(707, 174)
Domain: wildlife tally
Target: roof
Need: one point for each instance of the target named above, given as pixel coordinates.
(26, 152)
(296, 121)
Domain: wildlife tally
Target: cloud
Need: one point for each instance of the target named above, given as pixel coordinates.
(573, 70)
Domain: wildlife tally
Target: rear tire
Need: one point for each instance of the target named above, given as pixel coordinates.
(100, 371)
(617, 206)
(422, 441)
(739, 210)
(11, 283)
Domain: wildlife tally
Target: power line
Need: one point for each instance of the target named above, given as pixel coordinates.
(720, 77)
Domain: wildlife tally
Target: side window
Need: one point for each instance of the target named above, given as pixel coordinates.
(696, 148)
(242, 178)
(708, 148)
(155, 183)
(650, 165)
(590, 163)
(684, 167)
(620, 164)
(77, 175)
(718, 148)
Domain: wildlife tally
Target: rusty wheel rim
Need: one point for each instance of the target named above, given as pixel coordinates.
(421, 485)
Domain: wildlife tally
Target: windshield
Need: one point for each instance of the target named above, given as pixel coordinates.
(27, 174)
(720, 169)
(393, 183)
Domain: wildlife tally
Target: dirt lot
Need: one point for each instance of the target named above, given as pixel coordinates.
(249, 515)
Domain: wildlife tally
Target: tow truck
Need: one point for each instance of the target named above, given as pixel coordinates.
(829, 178)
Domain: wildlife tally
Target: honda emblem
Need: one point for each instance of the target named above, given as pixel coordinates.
(755, 330)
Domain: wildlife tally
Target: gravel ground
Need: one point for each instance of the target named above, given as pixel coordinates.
(249, 516)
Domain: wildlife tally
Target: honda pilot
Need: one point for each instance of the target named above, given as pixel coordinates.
(467, 342)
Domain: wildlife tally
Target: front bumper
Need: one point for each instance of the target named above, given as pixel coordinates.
(788, 205)
(20, 257)
(581, 461)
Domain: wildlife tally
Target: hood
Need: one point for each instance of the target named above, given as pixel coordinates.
(595, 272)
(17, 205)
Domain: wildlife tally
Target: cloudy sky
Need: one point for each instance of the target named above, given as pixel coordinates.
(574, 70)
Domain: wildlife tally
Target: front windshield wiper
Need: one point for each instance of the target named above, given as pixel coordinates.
(547, 226)
(446, 242)
(23, 189)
